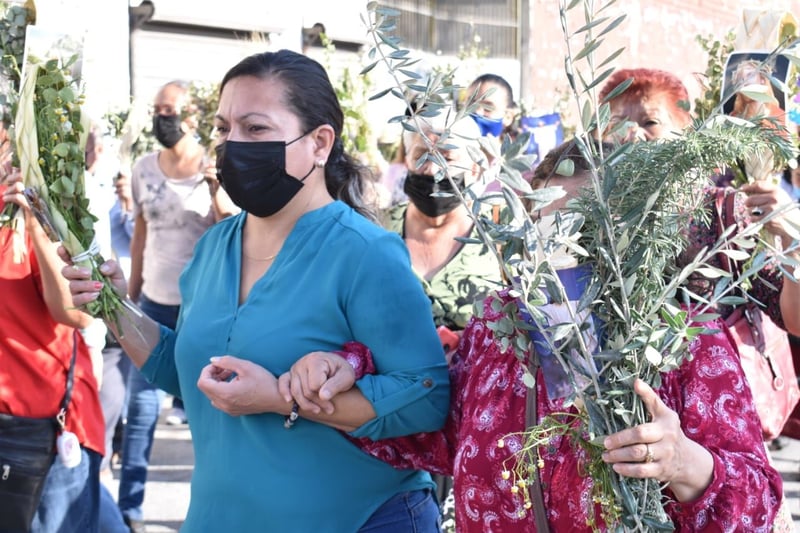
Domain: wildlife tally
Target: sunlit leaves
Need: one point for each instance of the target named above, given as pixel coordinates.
(627, 225)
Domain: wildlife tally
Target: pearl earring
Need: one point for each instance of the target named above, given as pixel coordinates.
(320, 163)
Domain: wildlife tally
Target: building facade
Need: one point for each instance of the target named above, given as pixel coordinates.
(134, 46)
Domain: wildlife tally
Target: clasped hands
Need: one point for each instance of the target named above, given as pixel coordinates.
(238, 386)
(658, 449)
(241, 387)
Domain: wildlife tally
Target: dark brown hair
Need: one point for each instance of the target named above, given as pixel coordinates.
(310, 96)
(566, 150)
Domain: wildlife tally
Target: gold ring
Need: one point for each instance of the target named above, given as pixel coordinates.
(648, 457)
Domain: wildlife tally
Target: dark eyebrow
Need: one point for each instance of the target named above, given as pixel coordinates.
(243, 117)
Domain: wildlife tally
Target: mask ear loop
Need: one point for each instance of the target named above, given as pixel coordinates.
(304, 134)
(313, 166)
(298, 138)
(301, 180)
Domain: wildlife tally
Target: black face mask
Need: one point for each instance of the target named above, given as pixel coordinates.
(254, 175)
(167, 129)
(419, 188)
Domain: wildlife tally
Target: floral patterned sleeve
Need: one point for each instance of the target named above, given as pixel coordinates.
(715, 405)
(432, 452)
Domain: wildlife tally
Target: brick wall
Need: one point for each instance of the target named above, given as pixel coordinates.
(655, 33)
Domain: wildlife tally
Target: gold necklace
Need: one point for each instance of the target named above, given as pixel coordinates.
(270, 258)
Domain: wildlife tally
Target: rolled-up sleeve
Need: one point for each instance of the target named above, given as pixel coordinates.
(389, 312)
(395, 397)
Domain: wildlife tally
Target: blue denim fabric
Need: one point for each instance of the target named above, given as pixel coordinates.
(166, 315)
(71, 497)
(406, 512)
(110, 518)
(144, 406)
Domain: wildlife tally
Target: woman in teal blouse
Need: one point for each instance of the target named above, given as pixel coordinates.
(300, 270)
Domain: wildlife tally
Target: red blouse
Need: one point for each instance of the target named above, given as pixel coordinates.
(36, 351)
(709, 393)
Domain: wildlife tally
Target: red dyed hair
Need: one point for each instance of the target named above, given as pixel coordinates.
(648, 81)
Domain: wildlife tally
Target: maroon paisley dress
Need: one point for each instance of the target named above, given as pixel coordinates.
(709, 393)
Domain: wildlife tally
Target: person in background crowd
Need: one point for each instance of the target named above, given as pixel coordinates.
(172, 207)
(40, 333)
(98, 183)
(252, 296)
(117, 365)
(453, 274)
(496, 108)
(110, 367)
(495, 115)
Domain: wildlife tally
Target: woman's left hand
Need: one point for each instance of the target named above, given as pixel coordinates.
(240, 387)
(660, 450)
(315, 379)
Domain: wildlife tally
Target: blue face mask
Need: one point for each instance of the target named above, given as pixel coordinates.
(488, 126)
(796, 192)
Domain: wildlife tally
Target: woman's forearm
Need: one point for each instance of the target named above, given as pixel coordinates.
(55, 288)
(351, 410)
(790, 295)
(136, 332)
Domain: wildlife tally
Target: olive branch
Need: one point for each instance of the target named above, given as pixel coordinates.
(50, 138)
(627, 227)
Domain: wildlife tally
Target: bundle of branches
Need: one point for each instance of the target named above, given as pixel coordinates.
(50, 140)
(13, 21)
(631, 230)
(15, 18)
(627, 231)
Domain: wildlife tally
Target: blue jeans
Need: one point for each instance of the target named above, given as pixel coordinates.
(71, 497)
(144, 406)
(406, 512)
(110, 518)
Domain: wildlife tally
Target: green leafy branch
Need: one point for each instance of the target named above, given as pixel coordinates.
(628, 227)
(711, 79)
(15, 18)
(51, 135)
